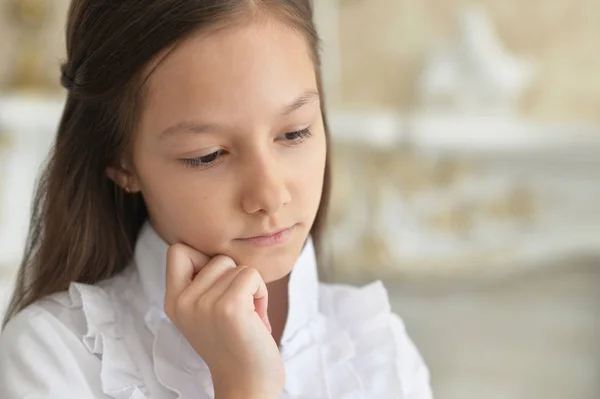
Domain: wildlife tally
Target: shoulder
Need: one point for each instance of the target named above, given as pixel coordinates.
(31, 319)
(41, 353)
(55, 347)
(365, 313)
(73, 313)
(50, 321)
(41, 321)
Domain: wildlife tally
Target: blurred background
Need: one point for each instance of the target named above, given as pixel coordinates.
(466, 164)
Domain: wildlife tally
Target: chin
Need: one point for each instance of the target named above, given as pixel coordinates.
(273, 267)
(272, 263)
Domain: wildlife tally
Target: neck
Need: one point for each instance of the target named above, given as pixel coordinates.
(278, 306)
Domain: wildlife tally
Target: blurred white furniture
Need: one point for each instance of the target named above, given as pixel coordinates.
(476, 73)
(552, 169)
(28, 125)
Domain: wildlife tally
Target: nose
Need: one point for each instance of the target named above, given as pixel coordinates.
(265, 189)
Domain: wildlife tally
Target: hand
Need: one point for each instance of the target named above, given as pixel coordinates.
(221, 309)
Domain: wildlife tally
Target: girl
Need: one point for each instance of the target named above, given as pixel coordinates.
(172, 243)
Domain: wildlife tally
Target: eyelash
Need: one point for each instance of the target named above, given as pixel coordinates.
(299, 135)
(214, 158)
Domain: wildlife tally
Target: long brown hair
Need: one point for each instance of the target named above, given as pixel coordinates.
(83, 226)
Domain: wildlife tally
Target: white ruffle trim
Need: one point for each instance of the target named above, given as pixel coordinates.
(104, 339)
(348, 351)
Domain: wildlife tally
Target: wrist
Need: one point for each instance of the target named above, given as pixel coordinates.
(243, 394)
(244, 391)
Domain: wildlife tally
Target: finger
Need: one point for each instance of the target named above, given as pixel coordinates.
(183, 263)
(214, 271)
(247, 284)
(221, 285)
(261, 306)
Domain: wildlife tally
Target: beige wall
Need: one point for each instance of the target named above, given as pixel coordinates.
(51, 39)
(383, 43)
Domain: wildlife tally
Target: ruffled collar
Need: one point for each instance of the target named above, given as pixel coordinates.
(303, 288)
(337, 343)
(340, 342)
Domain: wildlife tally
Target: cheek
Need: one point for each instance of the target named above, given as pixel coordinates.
(192, 217)
(179, 202)
(309, 172)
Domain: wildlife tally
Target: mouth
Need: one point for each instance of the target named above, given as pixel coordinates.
(268, 239)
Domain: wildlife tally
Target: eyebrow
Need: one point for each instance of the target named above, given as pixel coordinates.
(305, 98)
(186, 127)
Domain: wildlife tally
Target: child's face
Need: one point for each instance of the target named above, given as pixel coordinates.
(222, 152)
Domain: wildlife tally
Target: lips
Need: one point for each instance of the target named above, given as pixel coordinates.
(267, 235)
(268, 239)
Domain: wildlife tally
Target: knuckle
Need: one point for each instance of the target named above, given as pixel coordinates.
(201, 307)
(185, 303)
(223, 260)
(248, 273)
(227, 308)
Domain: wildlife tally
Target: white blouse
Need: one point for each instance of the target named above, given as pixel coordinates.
(113, 340)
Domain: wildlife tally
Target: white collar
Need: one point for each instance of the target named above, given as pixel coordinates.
(303, 289)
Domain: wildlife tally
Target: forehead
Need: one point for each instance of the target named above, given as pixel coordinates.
(232, 70)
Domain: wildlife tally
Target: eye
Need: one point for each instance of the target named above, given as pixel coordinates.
(206, 161)
(296, 137)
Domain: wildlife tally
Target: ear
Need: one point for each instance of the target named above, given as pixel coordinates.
(123, 178)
